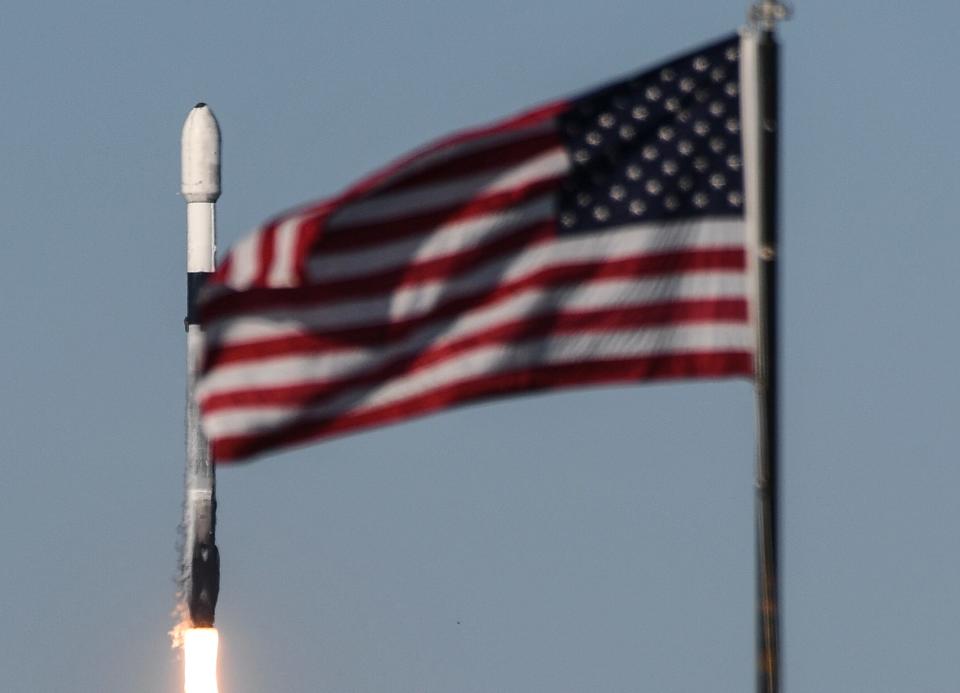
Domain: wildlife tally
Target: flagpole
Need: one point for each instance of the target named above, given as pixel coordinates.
(764, 17)
(200, 185)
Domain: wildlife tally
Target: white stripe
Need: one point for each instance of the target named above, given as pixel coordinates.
(752, 185)
(425, 198)
(529, 304)
(419, 299)
(244, 262)
(432, 243)
(282, 270)
(491, 360)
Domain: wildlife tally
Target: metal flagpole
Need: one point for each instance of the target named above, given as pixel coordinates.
(765, 64)
(200, 185)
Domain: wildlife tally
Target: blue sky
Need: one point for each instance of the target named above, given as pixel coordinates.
(595, 540)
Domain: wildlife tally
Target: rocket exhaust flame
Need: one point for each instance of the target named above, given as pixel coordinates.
(200, 660)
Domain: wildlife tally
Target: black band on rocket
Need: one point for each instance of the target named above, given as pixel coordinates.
(195, 282)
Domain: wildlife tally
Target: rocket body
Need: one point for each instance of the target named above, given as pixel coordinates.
(200, 185)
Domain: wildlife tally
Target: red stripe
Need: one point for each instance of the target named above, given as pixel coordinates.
(703, 365)
(386, 174)
(495, 157)
(265, 251)
(705, 310)
(261, 301)
(307, 233)
(556, 324)
(441, 268)
(221, 273)
(376, 233)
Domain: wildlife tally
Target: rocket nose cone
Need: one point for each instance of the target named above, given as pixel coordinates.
(200, 155)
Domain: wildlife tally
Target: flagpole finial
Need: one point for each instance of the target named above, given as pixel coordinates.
(765, 14)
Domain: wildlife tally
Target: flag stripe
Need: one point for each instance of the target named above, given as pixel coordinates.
(612, 276)
(490, 157)
(430, 241)
(227, 359)
(232, 448)
(455, 321)
(516, 129)
(538, 263)
(492, 360)
(389, 205)
(283, 268)
(374, 234)
(301, 379)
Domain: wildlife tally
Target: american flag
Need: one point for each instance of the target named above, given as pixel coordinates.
(599, 239)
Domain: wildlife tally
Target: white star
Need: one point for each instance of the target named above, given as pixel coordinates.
(606, 120)
(601, 213)
(650, 152)
(594, 137)
(735, 198)
(640, 112)
(637, 207)
(627, 132)
(653, 93)
(717, 181)
(700, 63)
(667, 74)
(654, 187)
(634, 172)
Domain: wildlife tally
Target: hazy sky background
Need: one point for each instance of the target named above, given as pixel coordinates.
(596, 540)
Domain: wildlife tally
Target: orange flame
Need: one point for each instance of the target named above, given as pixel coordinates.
(200, 660)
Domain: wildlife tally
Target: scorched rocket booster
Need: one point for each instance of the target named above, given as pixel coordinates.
(200, 185)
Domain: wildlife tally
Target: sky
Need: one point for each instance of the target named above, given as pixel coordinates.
(595, 540)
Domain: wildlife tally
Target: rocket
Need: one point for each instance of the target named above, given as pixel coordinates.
(200, 185)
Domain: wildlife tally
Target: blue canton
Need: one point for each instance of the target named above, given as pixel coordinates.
(664, 145)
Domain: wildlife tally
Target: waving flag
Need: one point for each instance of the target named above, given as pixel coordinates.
(599, 239)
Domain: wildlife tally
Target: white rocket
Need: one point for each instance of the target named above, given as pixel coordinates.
(200, 185)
